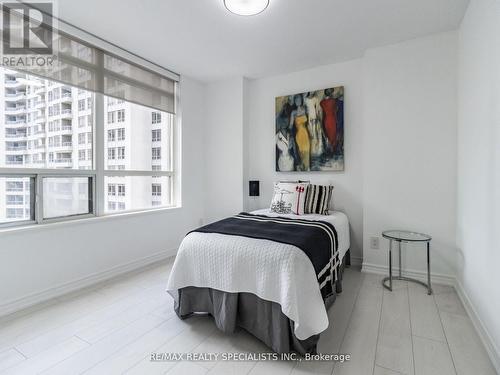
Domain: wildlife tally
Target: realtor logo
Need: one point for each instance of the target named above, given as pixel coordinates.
(27, 28)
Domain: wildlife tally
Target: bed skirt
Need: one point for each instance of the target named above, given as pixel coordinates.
(261, 318)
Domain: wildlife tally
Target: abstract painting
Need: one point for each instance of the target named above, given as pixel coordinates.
(310, 131)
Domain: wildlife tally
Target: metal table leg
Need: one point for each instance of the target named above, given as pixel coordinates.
(429, 287)
(401, 277)
(390, 265)
(399, 246)
(390, 269)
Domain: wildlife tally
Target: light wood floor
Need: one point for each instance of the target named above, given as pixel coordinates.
(113, 328)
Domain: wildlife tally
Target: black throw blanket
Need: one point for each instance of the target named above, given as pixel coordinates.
(317, 239)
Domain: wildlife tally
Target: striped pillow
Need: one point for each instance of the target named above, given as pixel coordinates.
(318, 199)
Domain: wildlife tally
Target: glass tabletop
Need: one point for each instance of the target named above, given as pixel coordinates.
(403, 235)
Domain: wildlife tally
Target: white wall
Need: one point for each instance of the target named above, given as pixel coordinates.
(400, 145)
(410, 148)
(223, 151)
(261, 142)
(35, 261)
(479, 164)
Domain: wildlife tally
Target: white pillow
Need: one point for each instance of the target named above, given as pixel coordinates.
(289, 198)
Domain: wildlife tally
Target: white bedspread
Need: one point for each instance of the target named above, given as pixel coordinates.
(271, 270)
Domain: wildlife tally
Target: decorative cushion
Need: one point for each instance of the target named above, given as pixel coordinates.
(318, 199)
(289, 198)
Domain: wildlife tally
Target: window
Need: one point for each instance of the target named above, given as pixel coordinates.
(111, 117)
(67, 196)
(54, 110)
(121, 153)
(156, 135)
(111, 135)
(120, 115)
(114, 101)
(14, 160)
(15, 213)
(81, 121)
(54, 142)
(142, 191)
(15, 200)
(14, 186)
(120, 134)
(121, 190)
(156, 190)
(156, 151)
(156, 117)
(17, 204)
(65, 178)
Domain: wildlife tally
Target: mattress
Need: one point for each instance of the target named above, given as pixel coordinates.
(273, 271)
(336, 218)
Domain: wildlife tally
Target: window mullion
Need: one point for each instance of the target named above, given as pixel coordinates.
(99, 136)
(99, 154)
(38, 199)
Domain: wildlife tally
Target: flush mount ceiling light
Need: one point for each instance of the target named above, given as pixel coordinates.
(246, 7)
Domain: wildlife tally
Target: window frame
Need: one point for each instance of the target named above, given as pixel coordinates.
(39, 197)
(111, 135)
(158, 192)
(118, 192)
(120, 134)
(156, 153)
(37, 194)
(120, 153)
(33, 197)
(120, 116)
(98, 173)
(156, 135)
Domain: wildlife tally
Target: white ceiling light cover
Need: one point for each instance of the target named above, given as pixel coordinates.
(246, 7)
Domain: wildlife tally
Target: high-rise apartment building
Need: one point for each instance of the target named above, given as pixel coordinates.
(45, 124)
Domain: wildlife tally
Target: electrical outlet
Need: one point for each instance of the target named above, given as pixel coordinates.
(374, 243)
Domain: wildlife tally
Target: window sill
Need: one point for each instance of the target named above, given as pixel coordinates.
(86, 220)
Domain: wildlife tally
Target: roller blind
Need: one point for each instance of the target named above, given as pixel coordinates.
(87, 66)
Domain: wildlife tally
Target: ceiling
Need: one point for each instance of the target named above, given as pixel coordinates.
(200, 38)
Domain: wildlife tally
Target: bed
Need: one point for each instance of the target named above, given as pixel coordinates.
(270, 288)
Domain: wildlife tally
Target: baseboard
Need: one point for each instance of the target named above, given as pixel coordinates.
(419, 275)
(487, 340)
(37, 298)
(356, 261)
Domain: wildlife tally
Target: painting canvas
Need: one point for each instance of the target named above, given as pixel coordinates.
(310, 131)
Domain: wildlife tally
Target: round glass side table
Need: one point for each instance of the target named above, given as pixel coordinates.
(407, 237)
